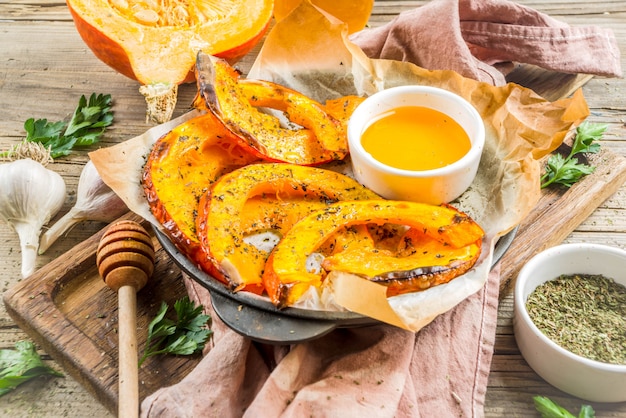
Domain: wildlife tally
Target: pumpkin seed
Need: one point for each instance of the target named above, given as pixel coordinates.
(146, 16)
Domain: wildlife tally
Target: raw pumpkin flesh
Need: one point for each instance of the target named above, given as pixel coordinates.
(286, 277)
(180, 169)
(156, 42)
(259, 197)
(318, 138)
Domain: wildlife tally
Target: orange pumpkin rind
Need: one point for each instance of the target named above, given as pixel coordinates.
(354, 13)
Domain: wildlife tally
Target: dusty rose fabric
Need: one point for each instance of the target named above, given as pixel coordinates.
(382, 371)
(375, 371)
(482, 39)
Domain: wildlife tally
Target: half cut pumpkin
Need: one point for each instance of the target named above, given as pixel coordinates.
(156, 43)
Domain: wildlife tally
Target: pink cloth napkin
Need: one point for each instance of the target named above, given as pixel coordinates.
(376, 371)
(383, 371)
(482, 39)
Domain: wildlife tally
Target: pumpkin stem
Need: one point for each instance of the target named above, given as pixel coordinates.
(161, 101)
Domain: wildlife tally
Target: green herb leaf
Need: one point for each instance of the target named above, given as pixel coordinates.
(586, 134)
(21, 365)
(41, 130)
(185, 336)
(569, 170)
(565, 172)
(586, 411)
(86, 126)
(161, 327)
(90, 118)
(550, 409)
(190, 317)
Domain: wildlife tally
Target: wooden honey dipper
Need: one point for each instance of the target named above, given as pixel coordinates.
(125, 260)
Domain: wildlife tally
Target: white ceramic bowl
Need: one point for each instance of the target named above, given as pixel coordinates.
(436, 186)
(587, 379)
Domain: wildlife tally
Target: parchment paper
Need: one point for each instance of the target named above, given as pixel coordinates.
(521, 128)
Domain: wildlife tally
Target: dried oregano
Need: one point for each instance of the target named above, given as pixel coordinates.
(585, 314)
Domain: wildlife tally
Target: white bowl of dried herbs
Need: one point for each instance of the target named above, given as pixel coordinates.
(570, 319)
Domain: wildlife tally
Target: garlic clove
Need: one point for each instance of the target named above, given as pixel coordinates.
(29, 236)
(59, 228)
(95, 201)
(30, 195)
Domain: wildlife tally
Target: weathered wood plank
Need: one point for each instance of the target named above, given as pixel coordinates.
(556, 215)
(34, 11)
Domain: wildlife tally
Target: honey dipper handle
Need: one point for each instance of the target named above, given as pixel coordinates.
(128, 405)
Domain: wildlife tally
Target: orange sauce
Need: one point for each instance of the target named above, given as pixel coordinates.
(415, 138)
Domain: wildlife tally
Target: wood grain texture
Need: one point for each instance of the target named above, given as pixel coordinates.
(44, 69)
(67, 308)
(559, 212)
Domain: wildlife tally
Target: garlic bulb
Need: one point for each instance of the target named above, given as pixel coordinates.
(95, 201)
(30, 195)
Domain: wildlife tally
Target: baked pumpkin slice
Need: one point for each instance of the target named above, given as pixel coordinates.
(181, 167)
(342, 108)
(446, 243)
(262, 202)
(421, 262)
(241, 105)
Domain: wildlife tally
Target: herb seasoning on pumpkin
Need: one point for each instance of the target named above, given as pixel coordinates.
(585, 314)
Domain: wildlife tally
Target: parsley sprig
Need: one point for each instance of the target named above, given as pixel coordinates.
(187, 335)
(21, 365)
(550, 409)
(85, 127)
(568, 170)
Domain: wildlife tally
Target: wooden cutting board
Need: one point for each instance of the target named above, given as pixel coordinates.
(66, 308)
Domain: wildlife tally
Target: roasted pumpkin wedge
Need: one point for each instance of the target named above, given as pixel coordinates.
(342, 108)
(353, 238)
(318, 119)
(286, 277)
(278, 195)
(239, 103)
(180, 169)
(423, 263)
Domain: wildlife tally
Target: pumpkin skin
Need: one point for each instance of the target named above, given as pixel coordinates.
(164, 52)
(286, 277)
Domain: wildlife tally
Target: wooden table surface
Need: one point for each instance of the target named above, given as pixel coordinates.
(45, 68)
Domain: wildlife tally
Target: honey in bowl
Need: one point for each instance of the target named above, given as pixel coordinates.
(415, 138)
(395, 162)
